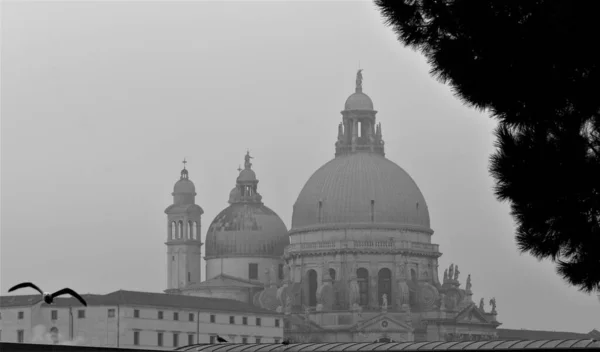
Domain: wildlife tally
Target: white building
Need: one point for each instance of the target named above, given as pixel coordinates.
(136, 320)
(358, 264)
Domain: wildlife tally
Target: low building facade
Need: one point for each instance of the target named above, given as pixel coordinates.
(139, 320)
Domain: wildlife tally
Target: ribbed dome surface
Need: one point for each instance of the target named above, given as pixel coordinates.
(246, 229)
(247, 175)
(358, 101)
(184, 186)
(347, 184)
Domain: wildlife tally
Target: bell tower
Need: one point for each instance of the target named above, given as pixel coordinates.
(183, 235)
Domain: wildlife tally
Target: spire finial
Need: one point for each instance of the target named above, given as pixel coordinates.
(184, 172)
(359, 79)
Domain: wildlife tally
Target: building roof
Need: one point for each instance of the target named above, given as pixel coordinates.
(523, 334)
(143, 299)
(19, 301)
(223, 280)
(360, 189)
(397, 346)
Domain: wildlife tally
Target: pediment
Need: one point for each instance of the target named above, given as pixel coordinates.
(382, 322)
(471, 315)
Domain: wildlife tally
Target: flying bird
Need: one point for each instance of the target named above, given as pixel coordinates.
(220, 339)
(49, 298)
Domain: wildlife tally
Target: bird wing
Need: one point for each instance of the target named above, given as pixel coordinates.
(68, 291)
(26, 284)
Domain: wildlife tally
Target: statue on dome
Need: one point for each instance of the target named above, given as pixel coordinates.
(468, 288)
(340, 132)
(359, 79)
(481, 303)
(456, 272)
(247, 163)
(493, 304)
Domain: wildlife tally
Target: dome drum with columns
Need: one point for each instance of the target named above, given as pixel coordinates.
(358, 263)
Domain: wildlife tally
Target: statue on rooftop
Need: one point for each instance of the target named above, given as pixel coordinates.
(445, 275)
(359, 79)
(481, 303)
(451, 272)
(493, 304)
(468, 288)
(247, 163)
(456, 272)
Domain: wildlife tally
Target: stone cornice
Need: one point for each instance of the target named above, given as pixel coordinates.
(321, 252)
(428, 250)
(361, 226)
(185, 242)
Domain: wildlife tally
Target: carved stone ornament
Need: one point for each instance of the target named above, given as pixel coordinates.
(268, 299)
(256, 298)
(428, 296)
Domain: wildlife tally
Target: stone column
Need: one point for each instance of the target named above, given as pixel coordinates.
(373, 286)
(354, 133)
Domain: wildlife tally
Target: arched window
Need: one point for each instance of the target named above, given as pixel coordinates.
(173, 230)
(332, 274)
(384, 285)
(362, 276)
(190, 231)
(312, 287)
(180, 229)
(196, 230)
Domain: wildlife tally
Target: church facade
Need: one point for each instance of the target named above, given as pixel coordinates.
(357, 265)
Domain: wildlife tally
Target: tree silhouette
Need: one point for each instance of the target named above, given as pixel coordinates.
(533, 66)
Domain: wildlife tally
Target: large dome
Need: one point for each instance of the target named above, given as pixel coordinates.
(360, 189)
(246, 229)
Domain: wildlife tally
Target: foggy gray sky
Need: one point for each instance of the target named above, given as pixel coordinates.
(101, 102)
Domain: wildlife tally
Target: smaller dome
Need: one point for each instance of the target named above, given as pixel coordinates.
(184, 186)
(358, 101)
(247, 175)
(233, 195)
